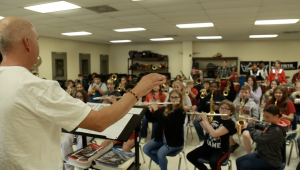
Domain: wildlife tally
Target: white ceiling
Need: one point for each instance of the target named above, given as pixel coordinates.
(233, 19)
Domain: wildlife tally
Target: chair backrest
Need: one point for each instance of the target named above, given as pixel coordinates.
(294, 122)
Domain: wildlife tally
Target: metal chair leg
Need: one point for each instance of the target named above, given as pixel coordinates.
(297, 149)
(142, 153)
(150, 164)
(179, 161)
(191, 132)
(229, 164)
(184, 157)
(292, 144)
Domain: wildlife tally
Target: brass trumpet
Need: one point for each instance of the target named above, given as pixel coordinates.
(162, 65)
(114, 77)
(226, 91)
(198, 81)
(296, 96)
(241, 121)
(154, 67)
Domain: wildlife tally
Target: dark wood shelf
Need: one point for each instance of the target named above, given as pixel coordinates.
(148, 59)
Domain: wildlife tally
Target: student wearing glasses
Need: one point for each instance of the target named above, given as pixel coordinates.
(216, 145)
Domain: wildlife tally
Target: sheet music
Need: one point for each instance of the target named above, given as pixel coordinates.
(113, 131)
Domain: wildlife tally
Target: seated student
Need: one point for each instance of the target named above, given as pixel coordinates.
(255, 93)
(111, 91)
(130, 80)
(70, 87)
(79, 87)
(156, 95)
(249, 110)
(234, 74)
(116, 82)
(67, 142)
(192, 95)
(269, 139)
(187, 104)
(286, 106)
(205, 107)
(96, 89)
(122, 85)
(231, 91)
(83, 82)
(216, 145)
(273, 84)
(205, 89)
(256, 73)
(169, 131)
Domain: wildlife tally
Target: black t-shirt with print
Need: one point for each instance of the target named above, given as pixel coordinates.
(221, 142)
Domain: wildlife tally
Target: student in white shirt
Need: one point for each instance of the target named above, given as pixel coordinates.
(33, 110)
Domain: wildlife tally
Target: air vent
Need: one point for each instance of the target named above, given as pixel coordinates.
(171, 35)
(102, 9)
(291, 32)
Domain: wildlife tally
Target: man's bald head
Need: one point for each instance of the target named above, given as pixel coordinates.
(12, 32)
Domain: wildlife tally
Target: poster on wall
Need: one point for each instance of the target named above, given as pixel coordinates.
(245, 66)
(287, 65)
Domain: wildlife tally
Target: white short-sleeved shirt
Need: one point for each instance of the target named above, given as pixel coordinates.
(32, 113)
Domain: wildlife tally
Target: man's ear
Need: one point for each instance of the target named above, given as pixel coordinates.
(27, 44)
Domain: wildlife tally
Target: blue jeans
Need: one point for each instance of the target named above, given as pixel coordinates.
(199, 130)
(163, 150)
(145, 127)
(252, 161)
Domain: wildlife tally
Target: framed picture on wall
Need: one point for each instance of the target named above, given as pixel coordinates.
(286, 65)
(245, 66)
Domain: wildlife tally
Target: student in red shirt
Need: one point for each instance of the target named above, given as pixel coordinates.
(192, 94)
(277, 73)
(285, 105)
(156, 95)
(234, 74)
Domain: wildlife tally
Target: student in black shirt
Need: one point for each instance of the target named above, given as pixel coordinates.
(216, 145)
(205, 106)
(256, 73)
(232, 93)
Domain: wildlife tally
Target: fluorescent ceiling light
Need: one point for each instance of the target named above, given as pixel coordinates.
(129, 29)
(209, 37)
(280, 21)
(76, 33)
(53, 7)
(161, 39)
(1, 17)
(195, 25)
(120, 41)
(263, 36)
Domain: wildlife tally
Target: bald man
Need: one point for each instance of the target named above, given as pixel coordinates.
(33, 110)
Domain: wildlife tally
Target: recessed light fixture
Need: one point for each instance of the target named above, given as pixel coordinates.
(76, 33)
(161, 39)
(263, 36)
(1, 17)
(129, 29)
(279, 21)
(53, 7)
(209, 37)
(120, 41)
(195, 25)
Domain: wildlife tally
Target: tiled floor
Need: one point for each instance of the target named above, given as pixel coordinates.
(192, 143)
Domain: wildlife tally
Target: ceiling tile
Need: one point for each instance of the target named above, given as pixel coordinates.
(176, 8)
(19, 12)
(231, 4)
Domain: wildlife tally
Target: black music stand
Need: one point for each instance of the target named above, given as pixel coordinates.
(133, 125)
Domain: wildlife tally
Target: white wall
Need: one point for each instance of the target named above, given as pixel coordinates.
(72, 48)
(118, 56)
(283, 50)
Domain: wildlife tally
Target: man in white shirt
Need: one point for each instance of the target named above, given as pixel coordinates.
(33, 110)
